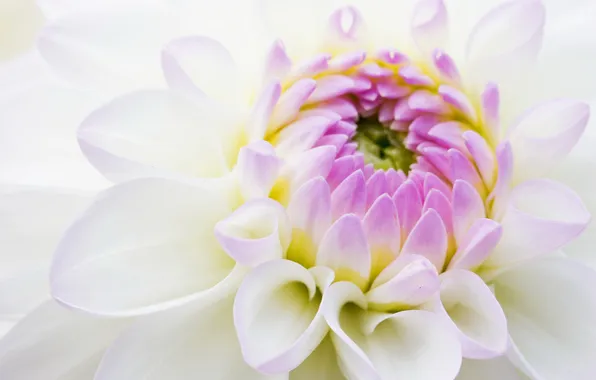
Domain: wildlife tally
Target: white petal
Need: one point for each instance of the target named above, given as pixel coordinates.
(277, 317)
(490, 369)
(21, 21)
(113, 51)
(54, 342)
(257, 231)
(142, 246)
(151, 132)
(32, 221)
(429, 25)
(507, 39)
(321, 364)
(38, 144)
(203, 64)
(545, 135)
(476, 314)
(183, 343)
(542, 216)
(550, 306)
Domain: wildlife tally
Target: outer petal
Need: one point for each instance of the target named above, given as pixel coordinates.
(476, 314)
(277, 317)
(31, 223)
(38, 137)
(47, 344)
(508, 36)
(181, 343)
(20, 22)
(257, 169)
(142, 246)
(151, 132)
(201, 65)
(489, 369)
(429, 25)
(542, 216)
(322, 364)
(550, 306)
(367, 345)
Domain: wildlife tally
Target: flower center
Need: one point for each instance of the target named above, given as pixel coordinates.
(382, 147)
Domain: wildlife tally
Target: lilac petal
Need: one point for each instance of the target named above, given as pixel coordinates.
(415, 284)
(301, 135)
(429, 25)
(463, 169)
(311, 66)
(483, 157)
(335, 140)
(392, 90)
(541, 217)
(437, 201)
(475, 313)
(426, 101)
(381, 227)
(374, 70)
(439, 158)
(504, 175)
(409, 206)
(431, 182)
(446, 66)
(412, 76)
(490, 109)
(262, 110)
(346, 61)
(449, 134)
(545, 135)
(257, 232)
(341, 169)
(257, 169)
(467, 208)
(477, 244)
(277, 63)
(315, 162)
(310, 208)
(291, 101)
(392, 56)
(349, 196)
(345, 250)
(330, 87)
(394, 179)
(340, 106)
(342, 128)
(376, 186)
(348, 150)
(460, 101)
(429, 239)
(386, 111)
(345, 24)
(403, 112)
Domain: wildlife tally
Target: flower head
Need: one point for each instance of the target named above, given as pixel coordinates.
(367, 209)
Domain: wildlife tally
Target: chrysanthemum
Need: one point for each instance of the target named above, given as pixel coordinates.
(374, 199)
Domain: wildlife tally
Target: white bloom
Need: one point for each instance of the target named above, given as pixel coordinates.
(368, 197)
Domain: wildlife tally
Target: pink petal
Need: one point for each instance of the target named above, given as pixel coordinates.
(490, 109)
(463, 169)
(376, 186)
(467, 208)
(409, 206)
(262, 110)
(437, 201)
(349, 196)
(429, 239)
(477, 244)
(301, 135)
(483, 157)
(277, 63)
(381, 227)
(345, 250)
(446, 66)
(331, 86)
(291, 101)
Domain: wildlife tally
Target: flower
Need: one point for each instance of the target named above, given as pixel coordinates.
(21, 21)
(360, 210)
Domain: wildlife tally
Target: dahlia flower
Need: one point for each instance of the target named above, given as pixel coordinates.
(381, 191)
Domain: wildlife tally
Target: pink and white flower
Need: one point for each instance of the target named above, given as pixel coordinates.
(373, 201)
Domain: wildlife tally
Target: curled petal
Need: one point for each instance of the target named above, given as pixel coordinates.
(277, 317)
(258, 231)
(541, 217)
(429, 25)
(477, 244)
(257, 169)
(277, 63)
(476, 313)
